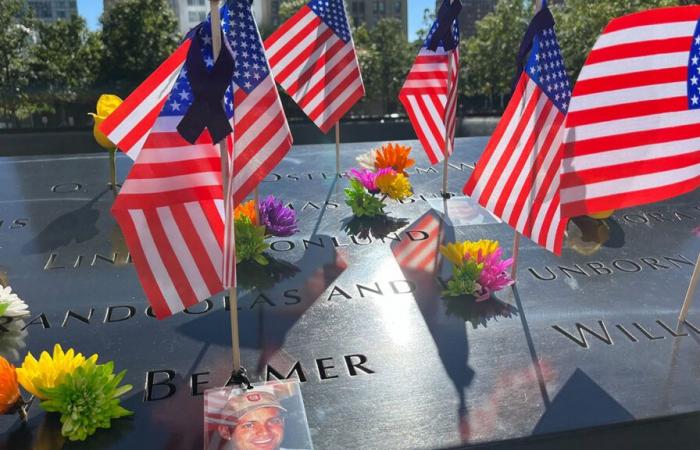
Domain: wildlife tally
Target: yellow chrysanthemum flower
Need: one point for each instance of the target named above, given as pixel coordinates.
(106, 105)
(454, 252)
(246, 209)
(457, 252)
(48, 371)
(395, 185)
(486, 246)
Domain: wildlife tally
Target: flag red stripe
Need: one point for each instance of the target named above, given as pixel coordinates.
(145, 89)
(630, 140)
(632, 50)
(420, 131)
(627, 110)
(522, 159)
(146, 277)
(170, 259)
(653, 17)
(331, 97)
(628, 199)
(165, 170)
(331, 74)
(288, 48)
(497, 134)
(320, 64)
(342, 109)
(630, 169)
(535, 169)
(303, 56)
(284, 28)
(196, 247)
(191, 194)
(528, 112)
(630, 80)
(265, 168)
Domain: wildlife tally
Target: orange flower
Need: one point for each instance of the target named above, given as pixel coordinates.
(246, 209)
(394, 156)
(9, 389)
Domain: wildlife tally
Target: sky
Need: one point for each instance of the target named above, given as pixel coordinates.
(92, 9)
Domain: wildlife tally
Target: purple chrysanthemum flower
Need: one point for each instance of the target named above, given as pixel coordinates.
(367, 178)
(494, 275)
(279, 220)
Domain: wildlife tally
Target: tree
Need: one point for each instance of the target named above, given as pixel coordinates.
(138, 36)
(289, 7)
(385, 57)
(580, 22)
(16, 23)
(490, 53)
(65, 60)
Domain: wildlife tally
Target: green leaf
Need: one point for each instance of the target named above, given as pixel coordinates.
(362, 203)
(3, 308)
(250, 241)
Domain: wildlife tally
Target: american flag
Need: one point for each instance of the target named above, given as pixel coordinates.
(517, 176)
(633, 128)
(171, 208)
(262, 133)
(313, 58)
(429, 105)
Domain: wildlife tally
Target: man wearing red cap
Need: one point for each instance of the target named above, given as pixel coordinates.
(258, 421)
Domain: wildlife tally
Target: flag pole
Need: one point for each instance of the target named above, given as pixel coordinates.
(223, 149)
(337, 147)
(448, 141)
(516, 236)
(690, 294)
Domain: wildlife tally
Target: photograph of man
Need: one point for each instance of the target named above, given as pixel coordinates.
(253, 420)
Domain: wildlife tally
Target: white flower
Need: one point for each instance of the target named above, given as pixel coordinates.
(366, 160)
(15, 306)
(12, 338)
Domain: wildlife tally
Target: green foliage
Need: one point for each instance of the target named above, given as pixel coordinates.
(138, 36)
(579, 22)
(87, 399)
(289, 7)
(385, 57)
(3, 308)
(250, 241)
(491, 52)
(362, 203)
(464, 279)
(16, 24)
(65, 60)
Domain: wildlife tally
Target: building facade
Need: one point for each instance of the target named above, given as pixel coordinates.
(188, 12)
(369, 12)
(52, 10)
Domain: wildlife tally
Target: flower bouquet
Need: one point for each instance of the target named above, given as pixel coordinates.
(478, 269)
(12, 332)
(84, 393)
(382, 175)
(275, 220)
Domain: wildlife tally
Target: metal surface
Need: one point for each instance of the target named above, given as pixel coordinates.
(386, 362)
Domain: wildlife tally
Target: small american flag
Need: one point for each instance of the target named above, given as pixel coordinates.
(171, 207)
(517, 176)
(430, 93)
(262, 133)
(313, 58)
(633, 128)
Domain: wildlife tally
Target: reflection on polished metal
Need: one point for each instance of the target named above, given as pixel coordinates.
(584, 340)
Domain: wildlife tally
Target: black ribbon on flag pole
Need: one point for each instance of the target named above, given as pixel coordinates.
(208, 89)
(448, 12)
(542, 21)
